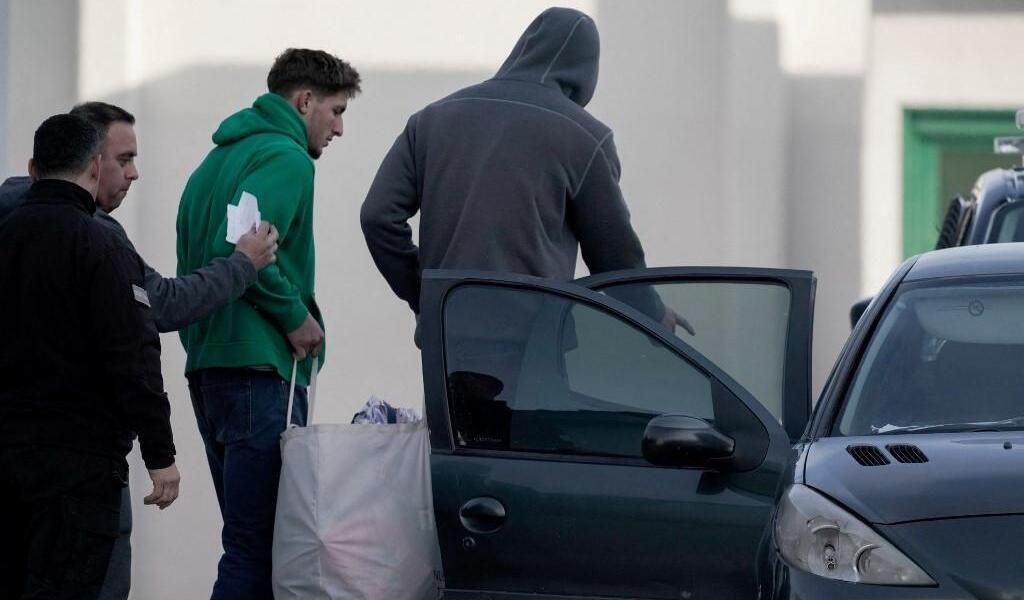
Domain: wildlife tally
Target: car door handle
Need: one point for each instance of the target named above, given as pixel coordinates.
(482, 515)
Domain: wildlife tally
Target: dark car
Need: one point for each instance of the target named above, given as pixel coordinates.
(580, 449)
(910, 480)
(991, 214)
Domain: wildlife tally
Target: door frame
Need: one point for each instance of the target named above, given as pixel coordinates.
(927, 132)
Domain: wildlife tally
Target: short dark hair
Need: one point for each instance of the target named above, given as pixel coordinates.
(63, 146)
(102, 115)
(324, 73)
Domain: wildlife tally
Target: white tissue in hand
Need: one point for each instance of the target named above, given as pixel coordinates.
(242, 218)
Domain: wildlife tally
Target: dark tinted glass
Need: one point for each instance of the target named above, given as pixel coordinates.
(740, 327)
(944, 358)
(536, 372)
(1008, 224)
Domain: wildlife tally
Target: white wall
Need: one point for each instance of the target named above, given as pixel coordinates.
(5, 52)
(797, 107)
(40, 77)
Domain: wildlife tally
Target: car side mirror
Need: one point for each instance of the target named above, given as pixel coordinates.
(681, 441)
(857, 310)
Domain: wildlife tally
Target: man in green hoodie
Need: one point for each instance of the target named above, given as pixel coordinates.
(240, 359)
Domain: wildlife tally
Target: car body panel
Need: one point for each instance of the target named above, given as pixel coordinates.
(992, 193)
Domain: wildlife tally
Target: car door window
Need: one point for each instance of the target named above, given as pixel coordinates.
(740, 326)
(534, 371)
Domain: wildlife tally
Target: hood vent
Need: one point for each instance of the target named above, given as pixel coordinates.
(906, 453)
(868, 456)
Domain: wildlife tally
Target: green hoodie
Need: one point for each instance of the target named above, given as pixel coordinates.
(263, 151)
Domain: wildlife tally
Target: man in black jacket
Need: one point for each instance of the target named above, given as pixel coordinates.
(175, 301)
(79, 371)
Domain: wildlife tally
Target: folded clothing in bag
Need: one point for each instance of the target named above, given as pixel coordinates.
(379, 412)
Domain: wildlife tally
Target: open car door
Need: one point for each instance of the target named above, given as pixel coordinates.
(548, 408)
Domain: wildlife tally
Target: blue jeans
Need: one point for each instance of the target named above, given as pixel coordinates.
(241, 414)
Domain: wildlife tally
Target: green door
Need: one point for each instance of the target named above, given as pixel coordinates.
(944, 152)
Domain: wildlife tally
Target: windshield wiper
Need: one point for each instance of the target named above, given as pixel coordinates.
(1014, 423)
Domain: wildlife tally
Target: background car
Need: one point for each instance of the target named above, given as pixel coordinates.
(907, 483)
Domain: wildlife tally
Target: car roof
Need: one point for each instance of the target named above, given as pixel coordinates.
(984, 259)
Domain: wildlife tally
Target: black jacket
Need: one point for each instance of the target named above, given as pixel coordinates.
(176, 301)
(509, 175)
(79, 354)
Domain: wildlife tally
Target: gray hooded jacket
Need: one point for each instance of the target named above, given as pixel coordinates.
(510, 175)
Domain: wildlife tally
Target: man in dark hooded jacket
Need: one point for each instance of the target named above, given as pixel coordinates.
(510, 175)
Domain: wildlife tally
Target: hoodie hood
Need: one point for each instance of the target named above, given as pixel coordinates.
(269, 114)
(560, 49)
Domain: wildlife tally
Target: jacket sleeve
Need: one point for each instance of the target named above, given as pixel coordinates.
(129, 351)
(599, 218)
(283, 186)
(392, 200)
(180, 301)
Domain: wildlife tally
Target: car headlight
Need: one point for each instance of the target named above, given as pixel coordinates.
(815, 535)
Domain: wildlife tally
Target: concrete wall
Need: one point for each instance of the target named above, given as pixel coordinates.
(41, 39)
(5, 53)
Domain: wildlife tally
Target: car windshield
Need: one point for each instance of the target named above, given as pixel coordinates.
(947, 356)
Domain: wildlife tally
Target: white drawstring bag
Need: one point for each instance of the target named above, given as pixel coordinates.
(355, 513)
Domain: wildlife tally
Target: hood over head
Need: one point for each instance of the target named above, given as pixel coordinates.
(269, 114)
(559, 49)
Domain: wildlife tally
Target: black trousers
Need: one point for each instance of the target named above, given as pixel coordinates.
(59, 513)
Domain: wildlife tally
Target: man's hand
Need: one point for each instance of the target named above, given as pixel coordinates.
(670, 319)
(165, 486)
(259, 245)
(307, 339)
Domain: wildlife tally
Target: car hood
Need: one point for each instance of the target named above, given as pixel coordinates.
(978, 555)
(965, 474)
